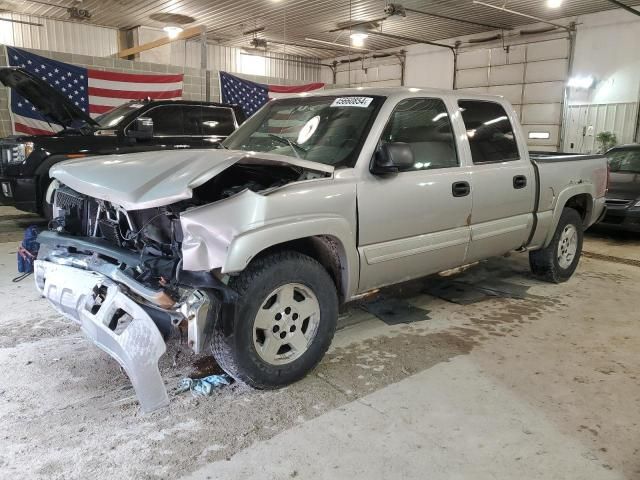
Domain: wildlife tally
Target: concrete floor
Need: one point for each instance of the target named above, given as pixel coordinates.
(543, 387)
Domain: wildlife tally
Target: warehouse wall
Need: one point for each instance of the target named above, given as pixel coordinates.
(194, 78)
(605, 48)
(229, 59)
(58, 36)
(85, 39)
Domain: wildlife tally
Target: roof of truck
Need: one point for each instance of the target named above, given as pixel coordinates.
(403, 92)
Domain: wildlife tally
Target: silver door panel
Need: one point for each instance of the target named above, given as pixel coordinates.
(498, 236)
(409, 258)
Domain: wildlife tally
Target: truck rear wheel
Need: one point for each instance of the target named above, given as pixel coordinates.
(286, 317)
(557, 262)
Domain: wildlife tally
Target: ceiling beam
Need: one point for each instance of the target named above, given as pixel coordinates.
(410, 39)
(461, 20)
(513, 12)
(626, 7)
(188, 33)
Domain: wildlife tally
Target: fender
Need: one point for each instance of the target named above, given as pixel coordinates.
(247, 245)
(563, 197)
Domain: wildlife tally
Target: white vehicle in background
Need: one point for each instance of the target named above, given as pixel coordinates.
(312, 202)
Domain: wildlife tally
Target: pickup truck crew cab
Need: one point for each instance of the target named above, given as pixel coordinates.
(314, 201)
(135, 126)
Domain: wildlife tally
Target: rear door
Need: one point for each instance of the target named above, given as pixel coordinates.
(502, 180)
(414, 223)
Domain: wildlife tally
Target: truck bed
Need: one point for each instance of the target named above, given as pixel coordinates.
(549, 157)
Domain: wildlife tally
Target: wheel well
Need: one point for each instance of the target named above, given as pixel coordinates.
(326, 250)
(583, 205)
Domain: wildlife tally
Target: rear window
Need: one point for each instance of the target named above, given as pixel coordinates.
(489, 131)
(624, 161)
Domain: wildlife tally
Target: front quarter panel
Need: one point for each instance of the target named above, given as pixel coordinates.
(229, 233)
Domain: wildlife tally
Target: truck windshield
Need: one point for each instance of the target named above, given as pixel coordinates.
(326, 129)
(113, 117)
(624, 161)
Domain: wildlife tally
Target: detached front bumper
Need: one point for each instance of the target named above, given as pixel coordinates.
(137, 346)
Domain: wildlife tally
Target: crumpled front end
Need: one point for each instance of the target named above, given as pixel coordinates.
(94, 301)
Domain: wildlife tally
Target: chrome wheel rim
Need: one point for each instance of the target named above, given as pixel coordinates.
(286, 324)
(568, 246)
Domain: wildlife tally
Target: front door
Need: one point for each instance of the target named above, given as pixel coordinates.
(414, 223)
(503, 181)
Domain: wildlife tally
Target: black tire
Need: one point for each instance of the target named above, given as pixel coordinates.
(237, 354)
(544, 263)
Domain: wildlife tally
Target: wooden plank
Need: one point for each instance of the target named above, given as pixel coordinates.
(188, 33)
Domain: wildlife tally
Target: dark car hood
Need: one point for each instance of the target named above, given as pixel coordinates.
(624, 186)
(52, 104)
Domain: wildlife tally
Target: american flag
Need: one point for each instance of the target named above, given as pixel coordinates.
(251, 95)
(92, 91)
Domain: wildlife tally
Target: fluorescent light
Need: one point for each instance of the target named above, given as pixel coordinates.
(496, 120)
(581, 82)
(173, 30)
(358, 38)
(440, 116)
(539, 135)
(554, 3)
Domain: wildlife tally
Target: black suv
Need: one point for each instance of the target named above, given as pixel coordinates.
(135, 126)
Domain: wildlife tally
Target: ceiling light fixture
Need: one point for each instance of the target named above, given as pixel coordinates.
(358, 38)
(554, 3)
(173, 30)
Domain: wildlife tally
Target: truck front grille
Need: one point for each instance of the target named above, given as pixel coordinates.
(67, 198)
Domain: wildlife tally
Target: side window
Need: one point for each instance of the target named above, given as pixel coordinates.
(167, 120)
(208, 121)
(217, 121)
(489, 132)
(425, 125)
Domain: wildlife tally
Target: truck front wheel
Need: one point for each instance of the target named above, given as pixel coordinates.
(557, 262)
(286, 317)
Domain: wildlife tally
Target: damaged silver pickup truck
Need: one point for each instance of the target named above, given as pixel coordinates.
(249, 249)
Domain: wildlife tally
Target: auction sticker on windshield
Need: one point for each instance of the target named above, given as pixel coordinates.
(362, 102)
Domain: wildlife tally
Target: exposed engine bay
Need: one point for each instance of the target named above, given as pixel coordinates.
(155, 233)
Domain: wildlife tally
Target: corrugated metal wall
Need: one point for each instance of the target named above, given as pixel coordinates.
(58, 36)
(585, 122)
(231, 59)
(74, 37)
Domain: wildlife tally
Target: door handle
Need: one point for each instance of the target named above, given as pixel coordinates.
(519, 181)
(460, 189)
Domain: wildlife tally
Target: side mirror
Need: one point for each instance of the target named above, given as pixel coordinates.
(392, 158)
(142, 128)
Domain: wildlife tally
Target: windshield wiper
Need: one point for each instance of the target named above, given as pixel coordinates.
(289, 142)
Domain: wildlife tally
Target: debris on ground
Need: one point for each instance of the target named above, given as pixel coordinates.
(203, 387)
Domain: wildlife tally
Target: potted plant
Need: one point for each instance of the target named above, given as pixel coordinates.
(606, 141)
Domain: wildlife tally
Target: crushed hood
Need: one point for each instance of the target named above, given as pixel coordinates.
(54, 106)
(153, 179)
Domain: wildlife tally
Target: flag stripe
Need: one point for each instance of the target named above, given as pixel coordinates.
(135, 86)
(21, 128)
(130, 94)
(295, 88)
(134, 77)
(99, 109)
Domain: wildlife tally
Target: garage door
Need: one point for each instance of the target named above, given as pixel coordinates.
(531, 76)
